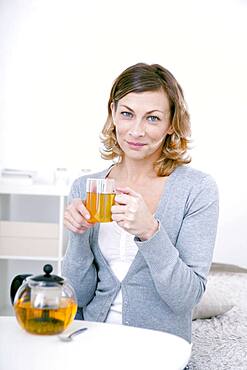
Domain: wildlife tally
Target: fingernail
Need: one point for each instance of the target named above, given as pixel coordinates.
(87, 216)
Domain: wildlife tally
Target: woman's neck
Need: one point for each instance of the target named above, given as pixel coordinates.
(134, 171)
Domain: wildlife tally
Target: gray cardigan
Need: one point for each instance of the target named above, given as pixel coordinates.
(168, 274)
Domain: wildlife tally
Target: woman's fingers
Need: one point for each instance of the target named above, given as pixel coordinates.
(124, 199)
(73, 228)
(132, 214)
(118, 209)
(121, 198)
(83, 210)
(126, 204)
(122, 213)
(78, 209)
(127, 190)
(75, 216)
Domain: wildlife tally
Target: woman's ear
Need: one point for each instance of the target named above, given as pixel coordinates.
(112, 106)
(112, 112)
(170, 130)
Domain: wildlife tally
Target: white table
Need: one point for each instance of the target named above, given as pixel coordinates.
(102, 346)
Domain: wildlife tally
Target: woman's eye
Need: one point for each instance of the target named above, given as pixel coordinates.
(126, 114)
(153, 118)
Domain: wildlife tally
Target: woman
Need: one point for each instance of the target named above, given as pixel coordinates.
(148, 267)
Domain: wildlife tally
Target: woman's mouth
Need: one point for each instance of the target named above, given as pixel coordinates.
(135, 144)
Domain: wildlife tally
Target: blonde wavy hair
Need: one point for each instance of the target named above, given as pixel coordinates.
(139, 78)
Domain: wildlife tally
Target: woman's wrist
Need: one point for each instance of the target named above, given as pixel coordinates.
(154, 226)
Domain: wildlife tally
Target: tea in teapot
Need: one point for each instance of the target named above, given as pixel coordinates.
(45, 304)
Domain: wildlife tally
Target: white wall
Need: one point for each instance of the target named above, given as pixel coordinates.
(58, 60)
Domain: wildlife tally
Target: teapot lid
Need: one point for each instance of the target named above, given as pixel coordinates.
(47, 277)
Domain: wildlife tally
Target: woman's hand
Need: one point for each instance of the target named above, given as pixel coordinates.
(132, 214)
(76, 215)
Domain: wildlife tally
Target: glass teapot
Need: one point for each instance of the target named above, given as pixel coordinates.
(44, 304)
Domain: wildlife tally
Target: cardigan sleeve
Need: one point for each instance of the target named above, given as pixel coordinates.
(78, 263)
(179, 270)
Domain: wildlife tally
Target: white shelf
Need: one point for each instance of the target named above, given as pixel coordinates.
(29, 238)
(28, 241)
(33, 189)
(30, 258)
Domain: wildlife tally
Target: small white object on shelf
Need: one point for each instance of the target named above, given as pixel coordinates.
(22, 177)
(61, 176)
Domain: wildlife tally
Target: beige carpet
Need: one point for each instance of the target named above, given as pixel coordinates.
(220, 343)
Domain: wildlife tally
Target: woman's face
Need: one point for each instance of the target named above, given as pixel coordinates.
(142, 122)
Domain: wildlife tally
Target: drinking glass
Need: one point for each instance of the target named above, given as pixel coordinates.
(100, 197)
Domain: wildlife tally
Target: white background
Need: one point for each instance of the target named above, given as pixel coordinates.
(58, 60)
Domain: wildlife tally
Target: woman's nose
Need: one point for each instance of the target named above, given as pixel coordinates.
(138, 129)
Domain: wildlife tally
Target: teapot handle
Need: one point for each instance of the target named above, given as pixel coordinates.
(15, 285)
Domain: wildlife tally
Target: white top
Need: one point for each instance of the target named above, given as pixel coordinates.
(119, 249)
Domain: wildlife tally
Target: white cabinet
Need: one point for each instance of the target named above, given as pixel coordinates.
(28, 242)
